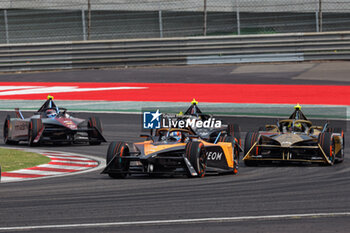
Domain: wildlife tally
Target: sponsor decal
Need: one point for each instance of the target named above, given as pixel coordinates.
(70, 124)
(21, 126)
(151, 120)
(154, 120)
(67, 123)
(214, 155)
(191, 122)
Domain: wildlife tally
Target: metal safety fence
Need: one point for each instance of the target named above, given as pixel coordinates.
(23, 21)
(175, 51)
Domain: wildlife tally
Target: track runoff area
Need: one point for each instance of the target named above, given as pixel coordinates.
(234, 99)
(119, 93)
(179, 92)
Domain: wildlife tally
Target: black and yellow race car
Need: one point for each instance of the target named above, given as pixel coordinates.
(206, 132)
(209, 133)
(173, 151)
(294, 140)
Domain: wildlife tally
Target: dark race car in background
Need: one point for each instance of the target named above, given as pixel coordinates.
(294, 140)
(209, 134)
(51, 124)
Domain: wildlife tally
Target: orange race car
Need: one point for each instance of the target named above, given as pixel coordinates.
(173, 151)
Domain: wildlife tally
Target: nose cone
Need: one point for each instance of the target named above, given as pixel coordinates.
(288, 139)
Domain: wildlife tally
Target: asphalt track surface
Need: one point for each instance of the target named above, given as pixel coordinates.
(284, 73)
(92, 198)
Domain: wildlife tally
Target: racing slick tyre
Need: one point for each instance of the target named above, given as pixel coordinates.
(334, 130)
(235, 152)
(35, 126)
(250, 139)
(234, 130)
(6, 131)
(196, 154)
(340, 156)
(94, 124)
(326, 141)
(118, 150)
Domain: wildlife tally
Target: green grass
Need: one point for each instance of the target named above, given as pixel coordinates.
(12, 159)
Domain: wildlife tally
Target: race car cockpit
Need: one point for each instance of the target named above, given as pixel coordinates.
(294, 126)
(172, 135)
(50, 110)
(298, 114)
(297, 122)
(194, 110)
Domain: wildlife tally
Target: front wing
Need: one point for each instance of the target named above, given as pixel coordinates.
(62, 134)
(266, 152)
(160, 165)
(173, 163)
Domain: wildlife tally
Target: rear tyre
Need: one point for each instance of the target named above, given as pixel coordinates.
(235, 152)
(334, 130)
(196, 154)
(326, 142)
(340, 156)
(6, 132)
(234, 131)
(35, 126)
(119, 150)
(95, 126)
(250, 139)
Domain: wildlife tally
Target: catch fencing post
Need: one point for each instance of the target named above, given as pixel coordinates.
(205, 18)
(160, 19)
(238, 18)
(83, 21)
(317, 25)
(6, 27)
(89, 19)
(320, 15)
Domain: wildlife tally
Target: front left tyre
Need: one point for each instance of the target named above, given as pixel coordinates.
(6, 132)
(250, 139)
(196, 154)
(326, 141)
(35, 126)
(117, 151)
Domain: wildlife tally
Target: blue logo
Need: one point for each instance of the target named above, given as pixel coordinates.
(151, 120)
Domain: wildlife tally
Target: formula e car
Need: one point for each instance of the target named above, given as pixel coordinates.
(172, 151)
(51, 124)
(294, 140)
(208, 133)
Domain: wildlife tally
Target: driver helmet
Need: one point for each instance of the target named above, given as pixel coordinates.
(298, 127)
(176, 134)
(51, 113)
